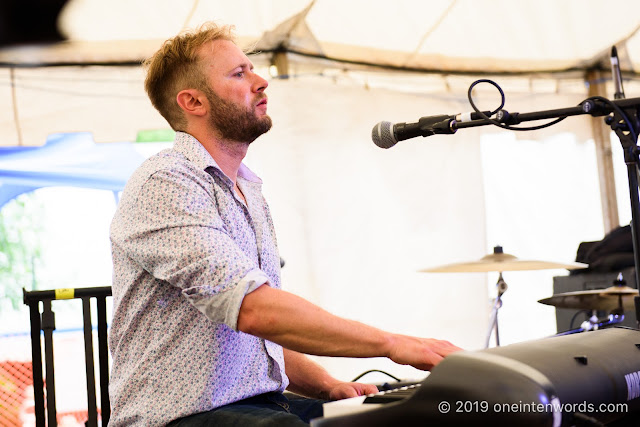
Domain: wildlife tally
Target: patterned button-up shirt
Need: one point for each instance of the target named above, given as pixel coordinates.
(186, 250)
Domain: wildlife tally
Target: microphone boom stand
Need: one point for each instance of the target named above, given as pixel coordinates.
(624, 122)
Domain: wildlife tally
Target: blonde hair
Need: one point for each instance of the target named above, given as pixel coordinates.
(176, 66)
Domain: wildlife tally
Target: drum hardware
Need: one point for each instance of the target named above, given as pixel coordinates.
(594, 323)
(619, 296)
(500, 262)
(615, 299)
(501, 287)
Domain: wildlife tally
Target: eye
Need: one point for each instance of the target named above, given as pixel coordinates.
(239, 74)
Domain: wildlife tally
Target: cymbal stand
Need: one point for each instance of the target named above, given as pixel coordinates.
(502, 287)
(593, 324)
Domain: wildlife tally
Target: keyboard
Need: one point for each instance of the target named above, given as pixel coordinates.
(371, 401)
(550, 382)
(391, 396)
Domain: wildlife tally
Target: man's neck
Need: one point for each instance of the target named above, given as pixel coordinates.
(228, 155)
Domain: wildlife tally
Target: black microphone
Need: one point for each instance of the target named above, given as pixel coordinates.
(616, 74)
(386, 134)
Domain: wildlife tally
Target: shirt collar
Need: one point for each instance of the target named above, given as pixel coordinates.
(193, 150)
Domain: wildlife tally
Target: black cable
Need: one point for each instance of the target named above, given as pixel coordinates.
(474, 84)
(497, 123)
(374, 370)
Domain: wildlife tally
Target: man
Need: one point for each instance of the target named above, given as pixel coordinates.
(202, 334)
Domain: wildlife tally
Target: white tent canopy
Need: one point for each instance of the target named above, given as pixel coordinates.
(356, 222)
(417, 46)
(429, 35)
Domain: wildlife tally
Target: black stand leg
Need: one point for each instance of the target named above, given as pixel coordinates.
(90, 371)
(626, 125)
(36, 363)
(632, 173)
(103, 355)
(48, 326)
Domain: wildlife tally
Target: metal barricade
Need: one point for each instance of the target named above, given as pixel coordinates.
(45, 321)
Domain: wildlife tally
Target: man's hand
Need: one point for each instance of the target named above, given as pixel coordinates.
(347, 390)
(307, 378)
(421, 353)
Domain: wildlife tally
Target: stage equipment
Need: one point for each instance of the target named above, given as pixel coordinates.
(617, 297)
(500, 261)
(622, 115)
(581, 379)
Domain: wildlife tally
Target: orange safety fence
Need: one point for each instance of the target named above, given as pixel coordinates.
(16, 382)
(16, 397)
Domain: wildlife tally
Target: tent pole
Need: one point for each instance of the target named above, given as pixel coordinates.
(281, 62)
(601, 135)
(14, 101)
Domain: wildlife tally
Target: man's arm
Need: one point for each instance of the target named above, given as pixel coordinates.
(307, 378)
(299, 325)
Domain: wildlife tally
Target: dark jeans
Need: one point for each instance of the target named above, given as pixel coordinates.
(266, 410)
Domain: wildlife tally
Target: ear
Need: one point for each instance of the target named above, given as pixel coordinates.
(192, 102)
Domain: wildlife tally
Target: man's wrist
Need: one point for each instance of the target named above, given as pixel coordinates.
(390, 343)
(327, 386)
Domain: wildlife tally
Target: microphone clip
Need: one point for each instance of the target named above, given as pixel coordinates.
(446, 127)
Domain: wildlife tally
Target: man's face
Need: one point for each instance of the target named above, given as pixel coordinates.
(235, 94)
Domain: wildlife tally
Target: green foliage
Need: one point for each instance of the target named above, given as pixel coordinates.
(20, 248)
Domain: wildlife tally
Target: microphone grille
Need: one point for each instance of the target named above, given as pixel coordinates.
(382, 135)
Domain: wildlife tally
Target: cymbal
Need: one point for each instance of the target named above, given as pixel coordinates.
(595, 299)
(499, 261)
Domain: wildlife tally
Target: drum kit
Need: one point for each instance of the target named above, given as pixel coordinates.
(615, 299)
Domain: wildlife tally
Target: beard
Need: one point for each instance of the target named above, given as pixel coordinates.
(235, 123)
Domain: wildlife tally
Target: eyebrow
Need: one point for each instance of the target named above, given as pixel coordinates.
(244, 65)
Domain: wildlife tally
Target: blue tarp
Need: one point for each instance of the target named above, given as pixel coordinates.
(66, 159)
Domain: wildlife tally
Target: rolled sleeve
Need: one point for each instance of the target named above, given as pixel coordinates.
(224, 307)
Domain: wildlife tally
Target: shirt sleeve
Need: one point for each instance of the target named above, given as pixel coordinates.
(172, 229)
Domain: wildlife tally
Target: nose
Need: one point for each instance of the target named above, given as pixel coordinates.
(259, 84)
